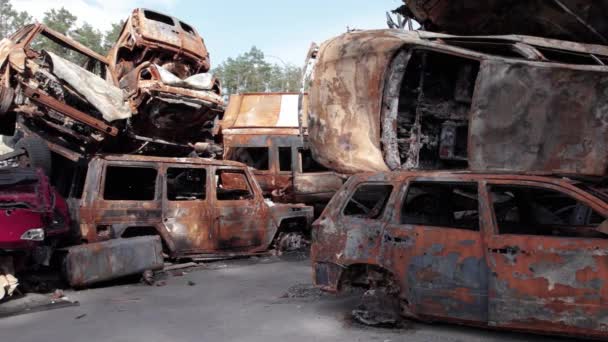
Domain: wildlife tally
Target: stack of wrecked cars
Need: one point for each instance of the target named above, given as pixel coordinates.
(269, 132)
(121, 138)
(479, 157)
(151, 94)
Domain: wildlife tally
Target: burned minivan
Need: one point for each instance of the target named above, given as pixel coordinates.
(393, 99)
(508, 251)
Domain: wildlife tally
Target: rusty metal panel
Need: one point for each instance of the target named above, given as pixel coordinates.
(529, 118)
(574, 20)
(538, 283)
(176, 36)
(264, 110)
(345, 101)
(102, 261)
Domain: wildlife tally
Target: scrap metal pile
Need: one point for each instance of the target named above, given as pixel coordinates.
(112, 135)
(508, 111)
(152, 94)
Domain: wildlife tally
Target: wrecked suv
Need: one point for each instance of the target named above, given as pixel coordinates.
(518, 252)
(200, 208)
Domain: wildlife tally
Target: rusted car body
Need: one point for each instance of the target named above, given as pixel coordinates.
(80, 100)
(35, 90)
(198, 207)
(392, 99)
(573, 20)
(162, 63)
(521, 252)
(265, 131)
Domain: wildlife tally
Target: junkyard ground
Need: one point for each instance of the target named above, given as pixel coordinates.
(259, 299)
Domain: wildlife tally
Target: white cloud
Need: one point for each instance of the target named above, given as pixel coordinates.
(99, 13)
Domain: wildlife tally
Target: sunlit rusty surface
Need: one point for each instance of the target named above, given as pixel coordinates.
(265, 110)
(358, 105)
(543, 284)
(270, 121)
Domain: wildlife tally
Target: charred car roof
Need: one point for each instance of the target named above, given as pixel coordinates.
(575, 20)
(154, 159)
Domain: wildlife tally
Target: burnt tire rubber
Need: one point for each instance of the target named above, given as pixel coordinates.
(38, 153)
(379, 308)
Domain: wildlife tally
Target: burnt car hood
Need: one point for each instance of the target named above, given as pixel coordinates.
(574, 20)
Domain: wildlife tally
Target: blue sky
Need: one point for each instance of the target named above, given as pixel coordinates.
(282, 28)
(279, 28)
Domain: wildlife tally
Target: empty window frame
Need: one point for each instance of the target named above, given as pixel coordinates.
(309, 164)
(526, 210)
(186, 184)
(186, 27)
(161, 18)
(285, 158)
(48, 42)
(232, 185)
(368, 201)
(440, 204)
(130, 183)
(255, 157)
(79, 180)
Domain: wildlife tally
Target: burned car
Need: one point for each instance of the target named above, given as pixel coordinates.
(200, 208)
(393, 99)
(34, 221)
(508, 251)
(573, 20)
(162, 64)
(266, 132)
(79, 100)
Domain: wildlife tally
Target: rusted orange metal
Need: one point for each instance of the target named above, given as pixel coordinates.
(270, 122)
(373, 109)
(549, 282)
(222, 212)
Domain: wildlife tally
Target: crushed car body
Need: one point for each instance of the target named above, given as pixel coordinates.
(509, 251)
(394, 99)
(162, 63)
(266, 132)
(133, 101)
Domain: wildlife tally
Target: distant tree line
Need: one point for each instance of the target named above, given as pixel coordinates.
(60, 20)
(250, 72)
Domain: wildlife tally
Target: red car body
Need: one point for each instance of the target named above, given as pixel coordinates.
(32, 213)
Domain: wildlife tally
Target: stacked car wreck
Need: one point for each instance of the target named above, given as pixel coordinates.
(122, 138)
(511, 233)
